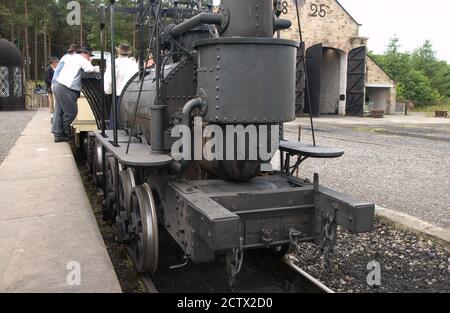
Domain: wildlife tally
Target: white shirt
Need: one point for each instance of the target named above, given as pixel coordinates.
(74, 65)
(126, 68)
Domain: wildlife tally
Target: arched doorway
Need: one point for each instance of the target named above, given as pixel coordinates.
(336, 81)
(327, 77)
(332, 80)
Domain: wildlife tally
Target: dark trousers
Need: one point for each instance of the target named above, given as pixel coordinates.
(66, 109)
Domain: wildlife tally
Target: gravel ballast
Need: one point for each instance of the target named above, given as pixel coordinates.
(391, 166)
(408, 263)
(12, 125)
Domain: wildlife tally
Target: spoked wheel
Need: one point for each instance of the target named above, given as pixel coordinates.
(144, 247)
(99, 176)
(126, 184)
(110, 205)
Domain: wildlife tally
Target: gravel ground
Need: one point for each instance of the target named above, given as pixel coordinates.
(127, 276)
(11, 126)
(401, 167)
(409, 263)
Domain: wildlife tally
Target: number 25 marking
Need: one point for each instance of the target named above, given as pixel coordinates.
(318, 11)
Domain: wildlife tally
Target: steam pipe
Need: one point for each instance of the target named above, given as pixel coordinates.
(196, 21)
(158, 108)
(281, 24)
(188, 108)
(141, 35)
(191, 105)
(113, 74)
(102, 18)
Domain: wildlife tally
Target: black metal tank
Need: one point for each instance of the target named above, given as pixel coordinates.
(226, 73)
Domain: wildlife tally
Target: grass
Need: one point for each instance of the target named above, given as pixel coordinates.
(445, 106)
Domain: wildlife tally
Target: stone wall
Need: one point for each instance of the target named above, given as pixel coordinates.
(323, 21)
(327, 22)
(330, 84)
(376, 75)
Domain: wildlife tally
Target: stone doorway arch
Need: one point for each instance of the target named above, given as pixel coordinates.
(327, 76)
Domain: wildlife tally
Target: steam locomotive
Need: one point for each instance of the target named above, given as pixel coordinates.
(216, 69)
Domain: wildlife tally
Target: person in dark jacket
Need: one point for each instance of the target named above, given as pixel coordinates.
(48, 77)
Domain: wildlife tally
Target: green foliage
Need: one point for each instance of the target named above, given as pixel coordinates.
(420, 76)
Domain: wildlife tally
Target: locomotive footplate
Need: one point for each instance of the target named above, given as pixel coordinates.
(206, 217)
(140, 154)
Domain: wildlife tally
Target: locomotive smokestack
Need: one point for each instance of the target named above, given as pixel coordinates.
(249, 18)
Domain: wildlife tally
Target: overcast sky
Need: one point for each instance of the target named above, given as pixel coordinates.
(414, 21)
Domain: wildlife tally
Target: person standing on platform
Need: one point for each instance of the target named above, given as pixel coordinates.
(57, 110)
(67, 89)
(126, 68)
(48, 77)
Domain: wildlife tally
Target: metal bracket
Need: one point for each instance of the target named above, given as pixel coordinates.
(201, 93)
(353, 215)
(225, 12)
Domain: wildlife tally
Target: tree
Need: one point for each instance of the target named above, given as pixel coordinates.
(420, 76)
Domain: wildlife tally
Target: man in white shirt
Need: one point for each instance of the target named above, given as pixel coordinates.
(66, 89)
(57, 110)
(126, 68)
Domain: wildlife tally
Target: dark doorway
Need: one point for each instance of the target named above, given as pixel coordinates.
(313, 85)
(356, 81)
(330, 81)
(324, 67)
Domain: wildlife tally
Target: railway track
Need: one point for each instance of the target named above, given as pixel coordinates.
(309, 282)
(262, 272)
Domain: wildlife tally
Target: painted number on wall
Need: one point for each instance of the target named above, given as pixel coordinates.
(318, 10)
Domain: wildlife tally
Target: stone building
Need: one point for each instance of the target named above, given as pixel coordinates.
(342, 78)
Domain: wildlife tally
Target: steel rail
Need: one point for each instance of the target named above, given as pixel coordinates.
(306, 277)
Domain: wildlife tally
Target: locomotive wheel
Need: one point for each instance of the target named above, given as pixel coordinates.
(84, 146)
(144, 246)
(98, 167)
(91, 155)
(126, 185)
(110, 205)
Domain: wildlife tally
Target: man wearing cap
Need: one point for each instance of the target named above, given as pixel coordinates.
(72, 50)
(67, 88)
(48, 78)
(126, 68)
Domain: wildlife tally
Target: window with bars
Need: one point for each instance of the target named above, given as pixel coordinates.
(4, 81)
(18, 82)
